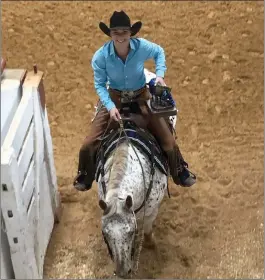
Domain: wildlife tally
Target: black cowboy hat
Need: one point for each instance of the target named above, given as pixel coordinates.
(120, 20)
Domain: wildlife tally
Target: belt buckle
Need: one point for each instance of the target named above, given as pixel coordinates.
(127, 94)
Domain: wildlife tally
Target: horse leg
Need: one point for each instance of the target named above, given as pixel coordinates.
(149, 241)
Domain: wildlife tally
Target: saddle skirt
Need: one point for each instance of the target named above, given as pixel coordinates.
(140, 137)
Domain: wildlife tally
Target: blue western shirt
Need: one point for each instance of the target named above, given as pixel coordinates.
(128, 75)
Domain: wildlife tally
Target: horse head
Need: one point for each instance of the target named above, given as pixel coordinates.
(119, 228)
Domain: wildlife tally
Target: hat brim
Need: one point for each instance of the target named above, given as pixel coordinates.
(135, 28)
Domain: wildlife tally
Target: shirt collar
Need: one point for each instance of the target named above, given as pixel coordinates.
(132, 45)
(112, 50)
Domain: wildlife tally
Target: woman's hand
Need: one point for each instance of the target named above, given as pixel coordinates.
(160, 80)
(115, 114)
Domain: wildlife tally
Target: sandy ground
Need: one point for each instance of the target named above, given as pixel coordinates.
(215, 66)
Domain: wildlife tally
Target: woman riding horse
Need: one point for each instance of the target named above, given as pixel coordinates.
(121, 63)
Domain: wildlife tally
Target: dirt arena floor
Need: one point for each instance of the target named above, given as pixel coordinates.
(215, 58)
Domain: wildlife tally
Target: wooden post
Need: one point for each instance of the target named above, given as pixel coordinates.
(3, 64)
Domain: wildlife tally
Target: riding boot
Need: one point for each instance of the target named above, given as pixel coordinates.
(179, 168)
(86, 170)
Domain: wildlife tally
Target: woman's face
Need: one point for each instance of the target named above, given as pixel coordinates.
(120, 36)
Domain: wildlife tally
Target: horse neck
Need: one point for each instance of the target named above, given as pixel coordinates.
(122, 182)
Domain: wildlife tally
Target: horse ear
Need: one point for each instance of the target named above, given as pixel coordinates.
(129, 202)
(103, 205)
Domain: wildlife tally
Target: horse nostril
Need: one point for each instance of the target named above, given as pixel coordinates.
(129, 271)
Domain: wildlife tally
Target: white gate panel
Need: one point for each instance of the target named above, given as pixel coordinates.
(30, 197)
(15, 137)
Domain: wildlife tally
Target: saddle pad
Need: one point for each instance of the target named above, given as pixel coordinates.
(138, 137)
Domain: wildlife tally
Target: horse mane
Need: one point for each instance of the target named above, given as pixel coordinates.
(119, 165)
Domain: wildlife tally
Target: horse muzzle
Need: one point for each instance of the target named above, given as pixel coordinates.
(123, 270)
(123, 273)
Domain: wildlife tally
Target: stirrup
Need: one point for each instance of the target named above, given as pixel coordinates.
(79, 183)
(187, 178)
(82, 187)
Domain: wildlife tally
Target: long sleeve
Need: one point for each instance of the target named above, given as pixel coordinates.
(100, 79)
(152, 50)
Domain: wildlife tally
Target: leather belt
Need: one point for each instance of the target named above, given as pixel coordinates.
(128, 93)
